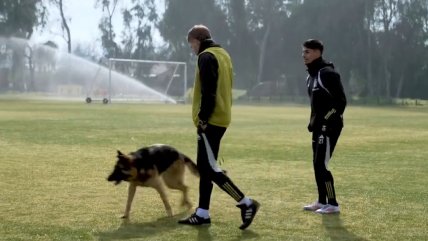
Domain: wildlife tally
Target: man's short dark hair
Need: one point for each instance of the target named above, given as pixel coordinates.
(314, 44)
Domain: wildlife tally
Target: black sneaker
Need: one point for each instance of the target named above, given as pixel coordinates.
(248, 213)
(194, 220)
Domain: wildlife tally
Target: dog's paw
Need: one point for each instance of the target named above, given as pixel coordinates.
(125, 217)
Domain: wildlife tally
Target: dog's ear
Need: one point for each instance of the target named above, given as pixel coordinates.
(123, 158)
(120, 154)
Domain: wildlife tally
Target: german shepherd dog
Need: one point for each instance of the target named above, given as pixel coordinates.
(153, 166)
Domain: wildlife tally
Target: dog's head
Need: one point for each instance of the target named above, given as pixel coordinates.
(124, 170)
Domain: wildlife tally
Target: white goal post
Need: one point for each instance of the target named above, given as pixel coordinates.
(165, 78)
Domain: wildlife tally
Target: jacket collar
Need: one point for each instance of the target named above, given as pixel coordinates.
(207, 43)
(314, 66)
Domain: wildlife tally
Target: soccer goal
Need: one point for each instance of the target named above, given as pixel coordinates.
(147, 80)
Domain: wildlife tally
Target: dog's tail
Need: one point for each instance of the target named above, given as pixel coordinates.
(191, 165)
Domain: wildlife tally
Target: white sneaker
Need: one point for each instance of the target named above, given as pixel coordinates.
(328, 209)
(313, 206)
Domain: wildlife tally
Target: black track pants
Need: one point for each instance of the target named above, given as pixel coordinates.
(323, 147)
(208, 168)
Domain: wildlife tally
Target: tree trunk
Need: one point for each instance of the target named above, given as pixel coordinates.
(65, 26)
(399, 86)
(370, 85)
(31, 85)
(262, 53)
(387, 79)
(369, 80)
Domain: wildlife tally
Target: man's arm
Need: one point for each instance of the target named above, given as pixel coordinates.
(336, 105)
(333, 84)
(208, 73)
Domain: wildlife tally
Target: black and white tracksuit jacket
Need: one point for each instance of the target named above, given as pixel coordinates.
(328, 100)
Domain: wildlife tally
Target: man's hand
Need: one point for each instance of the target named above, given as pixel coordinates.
(325, 130)
(202, 125)
(310, 129)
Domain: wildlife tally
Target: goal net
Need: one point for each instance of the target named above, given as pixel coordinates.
(147, 80)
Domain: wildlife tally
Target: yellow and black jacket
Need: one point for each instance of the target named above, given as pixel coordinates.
(212, 91)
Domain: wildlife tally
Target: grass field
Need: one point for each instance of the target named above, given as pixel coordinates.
(55, 157)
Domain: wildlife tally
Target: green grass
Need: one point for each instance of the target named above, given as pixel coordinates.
(55, 157)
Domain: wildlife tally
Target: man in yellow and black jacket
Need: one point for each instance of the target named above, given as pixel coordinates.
(211, 112)
(328, 102)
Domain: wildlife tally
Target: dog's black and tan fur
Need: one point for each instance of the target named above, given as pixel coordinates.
(153, 166)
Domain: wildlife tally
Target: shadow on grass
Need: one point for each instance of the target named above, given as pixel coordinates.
(247, 235)
(129, 230)
(145, 230)
(205, 235)
(335, 229)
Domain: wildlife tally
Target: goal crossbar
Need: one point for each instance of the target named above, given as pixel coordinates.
(146, 61)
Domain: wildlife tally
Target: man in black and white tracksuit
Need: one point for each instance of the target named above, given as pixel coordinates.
(328, 102)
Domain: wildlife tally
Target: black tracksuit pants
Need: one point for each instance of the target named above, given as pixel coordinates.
(323, 146)
(208, 148)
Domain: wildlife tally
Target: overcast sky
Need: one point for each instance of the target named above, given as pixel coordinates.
(83, 23)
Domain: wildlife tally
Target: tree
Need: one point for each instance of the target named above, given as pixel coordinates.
(143, 15)
(173, 26)
(341, 28)
(262, 19)
(139, 21)
(241, 41)
(64, 25)
(385, 15)
(86, 51)
(128, 36)
(257, 41)
(368, 88)
(110, 47)
(410, 47)
(19, 18)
